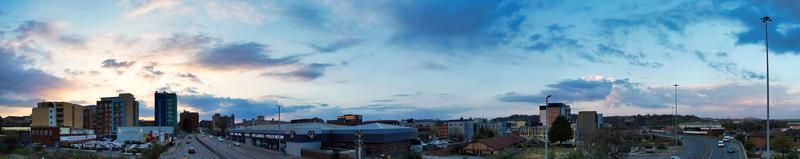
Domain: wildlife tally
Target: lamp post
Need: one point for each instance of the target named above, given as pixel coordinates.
(279, 130)
(676, 114)
(766, 21)
(547, 124)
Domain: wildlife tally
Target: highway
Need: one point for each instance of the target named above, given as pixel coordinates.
(181, 149)
(244, 151)
(701, 146)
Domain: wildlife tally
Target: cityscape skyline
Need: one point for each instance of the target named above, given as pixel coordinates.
(323, 59)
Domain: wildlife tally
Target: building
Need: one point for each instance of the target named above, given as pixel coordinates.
(142, 134)
(347, 119)
(307, 120)
(57, 114)
(23, 134)
(587, 123)
(378, 139)
(147, 123)
(114, 112)
(461, 129)
(166, 106)
(222, 123)
(493, 146)
(47, 136)
(16, 121)
(390, 122)
(90, 117)
(553, 111)
(701, 128)
(425, 128)
(206, 125)
(189, 121)
(441, 130)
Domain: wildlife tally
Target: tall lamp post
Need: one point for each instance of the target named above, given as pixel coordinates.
(676, 114)
(547, 124)
(279, 130)
(766, 21)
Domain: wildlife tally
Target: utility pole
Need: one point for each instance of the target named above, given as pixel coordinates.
(546, 125)
(676, 114)
(766, 21)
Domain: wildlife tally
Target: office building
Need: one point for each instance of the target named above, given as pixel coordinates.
(553, 110)
(57, 114)
(587, 123)
(166, 107)
(222, 123)
(206, 125)
(114, 112)
(189, 121)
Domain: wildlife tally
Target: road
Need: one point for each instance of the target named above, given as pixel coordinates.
(700, 146)
(244, 151)
(181, 149)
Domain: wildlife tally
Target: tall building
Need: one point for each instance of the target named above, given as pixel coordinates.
(553, 110)
(90, 117)
(189, 121)
(166, 106)
(222, 123)
(114, 112)
(587, 123)
(461, 129)
(57, 114)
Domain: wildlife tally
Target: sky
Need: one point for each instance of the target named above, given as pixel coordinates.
(404, 59)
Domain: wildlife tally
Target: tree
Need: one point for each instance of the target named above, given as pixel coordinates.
(483, 133)
(782, 144)
(560, 131)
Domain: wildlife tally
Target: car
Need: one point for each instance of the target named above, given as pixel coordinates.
(191, 150)
(674, 157)
(220, 139)
(731, 150)
(720, 144)
(237, 144)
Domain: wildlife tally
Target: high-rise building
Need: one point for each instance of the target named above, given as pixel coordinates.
(587, 123)
(189, 121)
(166, 106)
(222, 123)
(115, 112)
(90, 117)
(57, 114)
(553, 111)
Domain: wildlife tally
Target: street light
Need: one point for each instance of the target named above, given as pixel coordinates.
(676, 114)
(546, 139)
(279, 131)
(766, 21)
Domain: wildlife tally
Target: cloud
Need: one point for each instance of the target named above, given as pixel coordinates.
(146, 6)
(305, 73)
(335, 46)
(239, 10)
(190, 76)
(613, 92)
(429, 65)
(20, 86)
(727, 66)
(307, 14)
(243, 108)
(782, 12)
(186, 42)
(150, 72)
(28, 29)
(113, 63)
(241, 55)
(450, 25)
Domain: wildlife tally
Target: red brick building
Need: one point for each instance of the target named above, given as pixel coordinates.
(49, 136)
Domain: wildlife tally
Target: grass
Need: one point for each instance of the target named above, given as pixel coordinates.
(537, 153)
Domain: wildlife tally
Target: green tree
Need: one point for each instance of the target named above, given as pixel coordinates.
(783, 145)
(483, 133)
(560, 131)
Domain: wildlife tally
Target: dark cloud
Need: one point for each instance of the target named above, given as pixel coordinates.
(241, 55)
(782, 12)
(334, 46)
(243, 108)
(28, 29)
(727, 67)
(305, 73)
(613, 92)
(113, 63)
(190, 76)
(21, 86)
(150, 71)
(433, 66)
(555, 37)
(452, 25)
